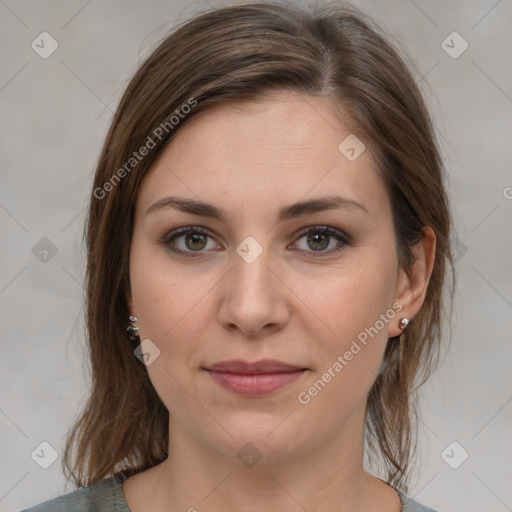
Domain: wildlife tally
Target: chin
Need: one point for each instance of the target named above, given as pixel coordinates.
(269, 440)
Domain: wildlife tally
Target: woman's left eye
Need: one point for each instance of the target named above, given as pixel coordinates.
(195, 240)
(319, 239)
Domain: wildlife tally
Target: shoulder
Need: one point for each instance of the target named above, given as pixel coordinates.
(105, 496)
(409, 505)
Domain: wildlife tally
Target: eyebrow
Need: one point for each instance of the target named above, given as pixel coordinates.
(299, 209)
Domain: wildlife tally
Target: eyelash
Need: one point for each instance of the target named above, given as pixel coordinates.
(324, 230)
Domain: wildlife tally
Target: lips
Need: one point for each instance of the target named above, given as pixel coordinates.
(241, 367)
(254, 379)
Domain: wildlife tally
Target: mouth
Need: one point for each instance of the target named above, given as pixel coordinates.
(254, 379)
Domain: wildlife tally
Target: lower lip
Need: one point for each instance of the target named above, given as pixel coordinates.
(255, 384)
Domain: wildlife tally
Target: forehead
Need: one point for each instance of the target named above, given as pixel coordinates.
(264, 153)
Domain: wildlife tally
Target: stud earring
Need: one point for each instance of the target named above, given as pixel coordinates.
(131, 329)
(404, 322)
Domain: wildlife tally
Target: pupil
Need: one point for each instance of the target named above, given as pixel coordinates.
(322, 246)
(196, 238)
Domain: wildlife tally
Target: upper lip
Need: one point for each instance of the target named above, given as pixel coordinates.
(257, 367)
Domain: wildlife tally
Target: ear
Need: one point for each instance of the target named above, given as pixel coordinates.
(129, 300)
(412, 285)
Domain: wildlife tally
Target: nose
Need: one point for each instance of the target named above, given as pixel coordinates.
(254, 298)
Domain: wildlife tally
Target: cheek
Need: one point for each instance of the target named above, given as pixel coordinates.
(354, 305)
(354, 295)
(166, 307)
(171, 303)
(156, 293)
(171, 314)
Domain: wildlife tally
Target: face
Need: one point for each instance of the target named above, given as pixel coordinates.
(249, 278)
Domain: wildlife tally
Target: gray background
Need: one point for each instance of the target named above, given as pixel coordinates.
(55, 113)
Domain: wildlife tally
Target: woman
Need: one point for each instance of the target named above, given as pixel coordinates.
(269, 223)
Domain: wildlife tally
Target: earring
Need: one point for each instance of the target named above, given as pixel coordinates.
(131, 329)
(404, 322)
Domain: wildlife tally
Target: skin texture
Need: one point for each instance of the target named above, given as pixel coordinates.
(251, 160)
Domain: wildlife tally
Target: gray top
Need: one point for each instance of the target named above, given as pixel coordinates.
(107, 496)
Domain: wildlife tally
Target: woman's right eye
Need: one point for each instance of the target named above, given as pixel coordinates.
(187, 241)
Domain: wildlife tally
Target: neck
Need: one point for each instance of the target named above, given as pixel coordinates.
(328, 476)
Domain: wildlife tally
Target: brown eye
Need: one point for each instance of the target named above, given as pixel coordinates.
(319, 241)
(195, 241)
(319, 238)
(189, 240)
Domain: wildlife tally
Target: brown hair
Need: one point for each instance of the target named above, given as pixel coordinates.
(239, 53)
